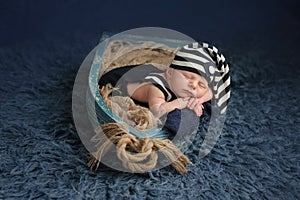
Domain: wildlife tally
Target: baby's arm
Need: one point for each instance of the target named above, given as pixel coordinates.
(159, 106)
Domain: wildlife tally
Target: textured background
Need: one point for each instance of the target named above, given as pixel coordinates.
(42, 44)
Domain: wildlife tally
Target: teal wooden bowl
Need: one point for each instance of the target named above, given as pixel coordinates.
(98, 111)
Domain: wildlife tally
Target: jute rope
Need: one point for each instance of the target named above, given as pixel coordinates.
(137, 155)
(134, 115)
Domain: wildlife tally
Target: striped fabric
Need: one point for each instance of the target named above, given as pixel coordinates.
(206, 61)
(161, 83)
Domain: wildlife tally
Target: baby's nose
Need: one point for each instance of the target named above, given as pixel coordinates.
(193, 85)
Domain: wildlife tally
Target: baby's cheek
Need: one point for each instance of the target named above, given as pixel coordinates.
(201, 93)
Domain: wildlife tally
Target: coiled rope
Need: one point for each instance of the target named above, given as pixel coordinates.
(136, 154)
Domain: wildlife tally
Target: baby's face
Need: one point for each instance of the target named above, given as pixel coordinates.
(188, 84)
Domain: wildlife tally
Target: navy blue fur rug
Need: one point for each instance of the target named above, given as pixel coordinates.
(256, 157)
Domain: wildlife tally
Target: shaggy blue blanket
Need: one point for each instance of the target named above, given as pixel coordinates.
(256, 157)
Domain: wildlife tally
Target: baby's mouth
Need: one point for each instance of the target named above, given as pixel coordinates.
(189, 93)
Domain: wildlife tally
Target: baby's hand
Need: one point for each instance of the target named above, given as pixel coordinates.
(182, 102)
(196, 105)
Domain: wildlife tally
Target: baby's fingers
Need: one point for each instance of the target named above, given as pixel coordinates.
(198, 110)
(193, 102)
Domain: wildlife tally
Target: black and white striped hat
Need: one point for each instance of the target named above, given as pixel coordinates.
(206, 61)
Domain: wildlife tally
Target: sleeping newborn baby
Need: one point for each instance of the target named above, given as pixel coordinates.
(170, 90)
(188, 82)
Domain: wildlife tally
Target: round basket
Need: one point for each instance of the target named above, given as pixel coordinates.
(98, 111)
